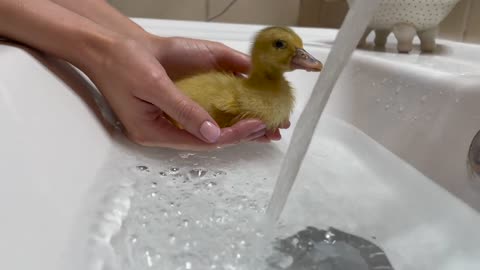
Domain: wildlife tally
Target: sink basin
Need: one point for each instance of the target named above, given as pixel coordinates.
(420, 107)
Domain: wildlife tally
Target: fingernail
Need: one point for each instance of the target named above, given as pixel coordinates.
(241, 75)
(256, 135)
(277, 138)
(262, 126)
(209, 131)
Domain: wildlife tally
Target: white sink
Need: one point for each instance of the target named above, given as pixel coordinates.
(422, 108)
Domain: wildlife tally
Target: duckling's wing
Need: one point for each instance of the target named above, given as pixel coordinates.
(226, 108)
(215, 92)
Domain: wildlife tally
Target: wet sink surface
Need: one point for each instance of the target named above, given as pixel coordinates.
(422, 108)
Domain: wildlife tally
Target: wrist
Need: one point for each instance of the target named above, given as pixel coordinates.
(94, 50)
(151, 42)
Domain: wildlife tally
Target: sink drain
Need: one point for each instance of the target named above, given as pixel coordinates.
(473, 159)
(331, 249)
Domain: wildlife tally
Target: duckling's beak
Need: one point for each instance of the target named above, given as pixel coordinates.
(303, 60)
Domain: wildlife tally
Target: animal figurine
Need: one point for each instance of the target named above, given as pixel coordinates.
(406, 19)
(265, 94)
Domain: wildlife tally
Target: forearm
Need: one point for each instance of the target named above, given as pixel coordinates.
(53, 29)
(102, 13)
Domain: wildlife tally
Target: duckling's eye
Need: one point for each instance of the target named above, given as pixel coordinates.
(280, 44)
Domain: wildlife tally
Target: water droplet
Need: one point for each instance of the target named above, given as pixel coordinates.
(329, 237)
(185, 223)
(197, 173)
(148, 258)
(400, 109)
(295, 241)
(387, 107)
(142, 168)
(154, 184)
(211, 184)
(172, 239)
(284, 262)
(397, 91)
(188, 265)
(219, 173)
(378, 100)
(259, 234)
(423, 99)
(153, 194)
(162, 173)
(174, 171)
(133, 239)
(186, 155)
(310, 245)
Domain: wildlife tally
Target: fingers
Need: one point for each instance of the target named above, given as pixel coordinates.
(165, 95)
(263, 139)
(274, 135)
(285, 125)
(183, 57)
(230, 59)
(160, 133)
(192, 117)
(245, 130)
(256, 136)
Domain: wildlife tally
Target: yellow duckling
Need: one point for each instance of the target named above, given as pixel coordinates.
(265, 94)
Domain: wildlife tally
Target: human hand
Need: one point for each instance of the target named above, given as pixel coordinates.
(126, 69)
(136, 78)
(183, 57)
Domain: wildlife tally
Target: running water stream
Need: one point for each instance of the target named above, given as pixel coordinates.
(346, 41)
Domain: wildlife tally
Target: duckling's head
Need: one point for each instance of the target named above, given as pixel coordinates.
(280, 49)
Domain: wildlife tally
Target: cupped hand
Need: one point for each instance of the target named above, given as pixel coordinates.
(183, 57)
(136, 79)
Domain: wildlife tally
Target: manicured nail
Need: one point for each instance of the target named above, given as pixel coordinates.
(209, 131)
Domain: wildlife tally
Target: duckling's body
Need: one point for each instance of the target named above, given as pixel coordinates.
(265, 94)
(229, 98)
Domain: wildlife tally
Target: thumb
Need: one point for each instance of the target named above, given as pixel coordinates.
(186, 112)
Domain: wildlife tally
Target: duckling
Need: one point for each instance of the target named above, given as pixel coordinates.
(265, 94)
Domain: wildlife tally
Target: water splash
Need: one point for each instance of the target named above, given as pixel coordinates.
(214, 227)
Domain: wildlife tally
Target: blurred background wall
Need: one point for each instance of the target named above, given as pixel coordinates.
(463, 24)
